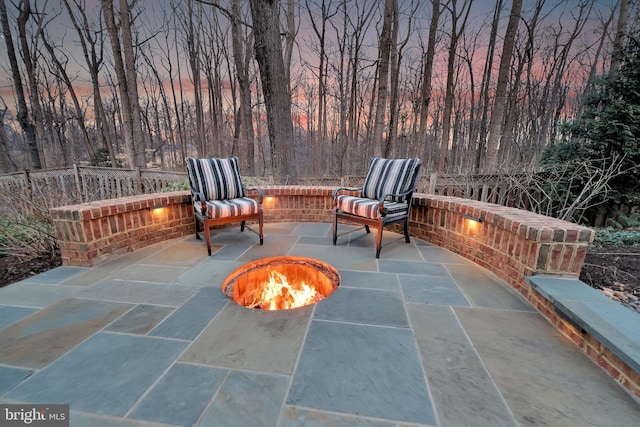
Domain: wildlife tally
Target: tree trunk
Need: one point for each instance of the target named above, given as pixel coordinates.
(318, 138)
(123, 84)
(126, 20)
(395, 58)
(193, 55)
(289, 37)
(384, 50)
(4, 158)
(486, 83)
(275, 89)
(621, 30)
(449, 95)
(22, 114)
(508, 133)
(499, 103)
(425, 90)
(241, 58)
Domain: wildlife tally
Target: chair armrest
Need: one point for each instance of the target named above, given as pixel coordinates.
(257, 190)
(198, 196)
(407, 194)
(340, 189)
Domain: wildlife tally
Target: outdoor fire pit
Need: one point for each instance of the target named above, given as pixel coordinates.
(281, 283)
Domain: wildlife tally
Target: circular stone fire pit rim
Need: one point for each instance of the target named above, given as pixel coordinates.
(325, 268)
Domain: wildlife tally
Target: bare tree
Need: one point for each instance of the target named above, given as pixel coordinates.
(4, 157)
(427, 73)
(487, 74)
(91, 42)
(289, 37)
(558, 76)
(319, 27)
(275, 88)
(60, 71)
(342, 69)
(498, 111)
(215, 54)
(23, 111)
(458, 24)
(395, 59)
(191, 20)
(621, 29)
(364, 13)
(509, 151)
(567, 190)
(126, 23)
(364, 77)
(241, 45)
(596, 59)
(390, 20)
(127, 81)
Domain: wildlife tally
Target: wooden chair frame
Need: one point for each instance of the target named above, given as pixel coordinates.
(383, 220)
(220, 180)
(208, 223)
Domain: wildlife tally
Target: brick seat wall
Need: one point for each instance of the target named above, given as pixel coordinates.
(513, 244)
(90, 233)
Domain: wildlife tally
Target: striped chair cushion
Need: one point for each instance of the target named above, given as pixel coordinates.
(389, 176)
(229, 208)
(217, 179)
(369, 208)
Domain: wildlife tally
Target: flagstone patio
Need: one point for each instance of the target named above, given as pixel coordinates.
(420, 337)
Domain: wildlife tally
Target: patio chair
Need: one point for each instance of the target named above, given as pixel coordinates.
(219, 196)
(385, 197)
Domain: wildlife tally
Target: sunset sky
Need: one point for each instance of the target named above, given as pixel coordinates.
(153, 19)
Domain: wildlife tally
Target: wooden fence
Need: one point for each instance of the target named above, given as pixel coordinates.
(44, 189)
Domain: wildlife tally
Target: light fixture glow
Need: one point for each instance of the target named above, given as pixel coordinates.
(472, 218)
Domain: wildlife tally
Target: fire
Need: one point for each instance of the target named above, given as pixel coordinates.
(277, 293)
(281, 283)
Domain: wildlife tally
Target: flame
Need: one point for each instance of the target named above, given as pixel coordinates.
(278, 294)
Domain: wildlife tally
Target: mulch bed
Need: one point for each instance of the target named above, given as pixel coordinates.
(616, 271)
(14, 268)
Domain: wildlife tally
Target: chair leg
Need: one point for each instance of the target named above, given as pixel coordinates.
(242, 226)
(379, 240)
(366, 228)
(260, 223)
(335, 226)
(406, 231)
(197, 226)
(207, 234)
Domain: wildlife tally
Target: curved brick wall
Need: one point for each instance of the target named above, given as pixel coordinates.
(510, 242)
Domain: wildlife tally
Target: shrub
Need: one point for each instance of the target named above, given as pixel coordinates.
(26, 236)
(26, 232)
(183, 184)
(610, 237)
